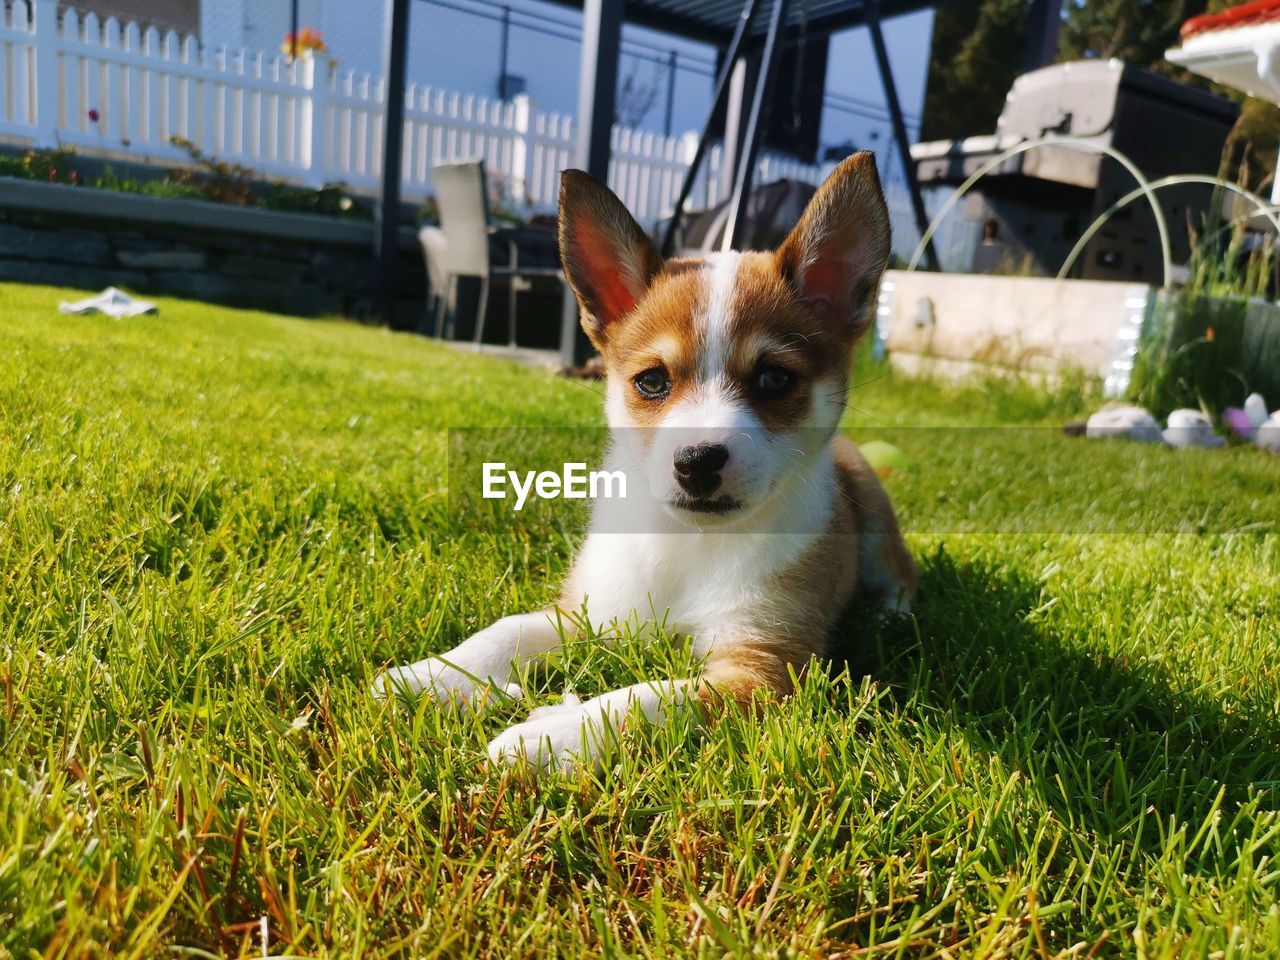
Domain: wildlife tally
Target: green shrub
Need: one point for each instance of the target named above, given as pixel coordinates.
(209, 179)
(331, 200)
(166, 188)
(49, 166)
(1189, 355)
(1215, 341)
(218, 180)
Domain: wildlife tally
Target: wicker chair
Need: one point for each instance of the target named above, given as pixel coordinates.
(462, 198)
(435, 251)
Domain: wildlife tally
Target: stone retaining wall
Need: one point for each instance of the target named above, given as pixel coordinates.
(244, 257)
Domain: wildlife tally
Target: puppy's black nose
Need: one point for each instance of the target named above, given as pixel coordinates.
(698, 468)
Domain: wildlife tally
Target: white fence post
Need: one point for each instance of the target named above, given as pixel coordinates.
(45, 17)
(520, 147)
(315, 118)
(685, 150)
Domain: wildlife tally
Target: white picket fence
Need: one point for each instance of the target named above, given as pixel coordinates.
(113, 89)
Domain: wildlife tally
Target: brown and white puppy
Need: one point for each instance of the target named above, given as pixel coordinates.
(755, 523)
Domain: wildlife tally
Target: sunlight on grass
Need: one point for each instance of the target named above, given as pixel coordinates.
(219, 525)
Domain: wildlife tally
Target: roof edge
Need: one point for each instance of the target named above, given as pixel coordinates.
(1243, 15)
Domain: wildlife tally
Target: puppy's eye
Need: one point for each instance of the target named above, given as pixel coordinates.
(653, 384)
(774, 381)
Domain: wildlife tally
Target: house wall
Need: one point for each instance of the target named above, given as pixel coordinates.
(182, 16)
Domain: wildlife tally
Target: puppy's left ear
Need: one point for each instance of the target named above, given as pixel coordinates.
(836, 253)
(608, 260)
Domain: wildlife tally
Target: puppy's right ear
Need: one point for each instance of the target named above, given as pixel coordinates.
(608, 260)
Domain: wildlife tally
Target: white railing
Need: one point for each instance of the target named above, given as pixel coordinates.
(113, 89)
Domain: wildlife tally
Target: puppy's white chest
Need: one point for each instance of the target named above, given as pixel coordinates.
(704, 585)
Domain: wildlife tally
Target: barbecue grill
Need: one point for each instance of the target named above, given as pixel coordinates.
(1025, 215)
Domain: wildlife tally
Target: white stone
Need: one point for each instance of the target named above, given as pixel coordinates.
(1268, 437)
(1191, 428)
(1255, 408)
(1126, 422)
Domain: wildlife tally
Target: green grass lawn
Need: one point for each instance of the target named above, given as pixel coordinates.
(219, 525)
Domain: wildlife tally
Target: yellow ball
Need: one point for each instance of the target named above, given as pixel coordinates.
(884, 458)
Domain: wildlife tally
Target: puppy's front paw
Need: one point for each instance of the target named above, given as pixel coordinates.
(440, 681)
(567, 736)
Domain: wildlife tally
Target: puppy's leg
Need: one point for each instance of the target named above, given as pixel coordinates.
(740, 674)
(483, 661)
(886, 572)
(577, 733)
(574, 734)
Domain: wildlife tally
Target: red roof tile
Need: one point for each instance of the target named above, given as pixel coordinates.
(1244, 15)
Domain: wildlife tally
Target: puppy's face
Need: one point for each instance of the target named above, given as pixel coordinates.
(726, 373)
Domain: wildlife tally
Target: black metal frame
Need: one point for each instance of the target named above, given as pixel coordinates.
(717, 104)
(899, 127)
(387, 235)
(602, 27)
(597, 84)
(1043, 22)
(712, 21)
(757, 119)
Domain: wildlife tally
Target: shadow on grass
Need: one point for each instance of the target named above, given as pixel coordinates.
(1101, 738)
